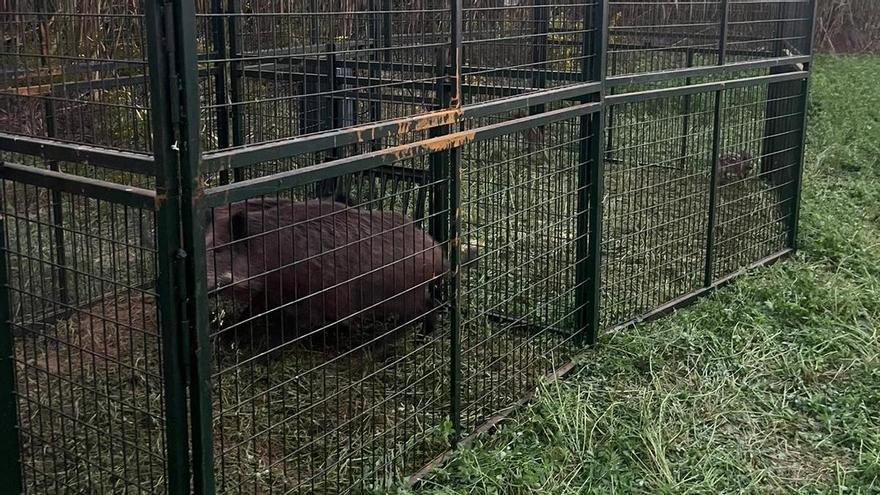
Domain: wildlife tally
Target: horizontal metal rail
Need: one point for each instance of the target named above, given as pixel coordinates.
(83, 186)
(709, 70)
(705, 87)
(271, 184)
(50, 149)
(143, 164)
(246, 156)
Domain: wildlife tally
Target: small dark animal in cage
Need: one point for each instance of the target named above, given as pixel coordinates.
(734, 167)
(311, 265)
(533, 137)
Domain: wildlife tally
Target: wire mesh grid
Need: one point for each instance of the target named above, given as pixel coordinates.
(512, 47)
(774, 28)
(348, 347)
(658, 183)
(520, 215)
(758, 163)
(86, 346)
(330, 348)
(76, 72)
(657, 173)
(278, 70)
(658, 35)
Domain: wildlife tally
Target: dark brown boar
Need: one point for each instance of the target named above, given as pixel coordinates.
(319, 263)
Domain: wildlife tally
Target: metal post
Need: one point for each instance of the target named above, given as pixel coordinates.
(193, 254)
(221, 54)
(10, 449)
(236, 73)
(57, 214)
(713, 189)
(375, 68)
(539, 51)
(717, 123)
(455, 236)
(333, 120)
(591, 174)
(686, 111)
(163, 98)
(438, 224)
(722, 44)
(802, 107)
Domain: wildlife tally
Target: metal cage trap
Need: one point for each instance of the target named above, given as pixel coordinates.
(309, 247)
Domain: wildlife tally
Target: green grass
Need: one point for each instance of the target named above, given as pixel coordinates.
(771, 385)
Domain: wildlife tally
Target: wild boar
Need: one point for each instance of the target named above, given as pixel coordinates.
(319, 262)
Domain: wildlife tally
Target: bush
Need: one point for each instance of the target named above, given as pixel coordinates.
(848, 26)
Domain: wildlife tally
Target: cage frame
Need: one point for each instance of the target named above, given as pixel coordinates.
(178, 163)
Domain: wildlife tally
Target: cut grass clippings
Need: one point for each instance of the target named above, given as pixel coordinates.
(771, 385)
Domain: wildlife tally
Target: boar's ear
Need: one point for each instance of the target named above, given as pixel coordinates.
(238, 224)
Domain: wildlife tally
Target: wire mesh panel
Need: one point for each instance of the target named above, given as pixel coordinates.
(655, 35)
(331, 345)
(520, 216)
(521, 46)
(278, 70)
(767, 29)
(759, 158)
(662, 35)
(86, 346)
(75, 71)
(657, 176)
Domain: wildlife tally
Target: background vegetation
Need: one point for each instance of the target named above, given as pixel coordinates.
(848, 26)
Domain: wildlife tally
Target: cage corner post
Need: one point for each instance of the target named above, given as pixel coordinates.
(10, 448)
(590, 183)
(190, 170)
(173, 95)
(454, 231)
(803, 106)
(717, 124)
(162, 84)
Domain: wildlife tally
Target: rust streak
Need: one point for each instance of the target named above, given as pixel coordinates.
(36, 90)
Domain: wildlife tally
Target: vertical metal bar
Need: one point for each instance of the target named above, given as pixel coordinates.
(160, 50)
(591, 173)
(327, 187)
(57, 213)
(803, 103)
(10, 449)
(779, 43)
(438, 225)
(235, 78)
(713, 189)
(539, 50)
(375, 67)
(686, 120)
(220, 52)
(193, 254)
(386, 29)
(708, 270)
(49, 113)
(455, 235)
(725, 22)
